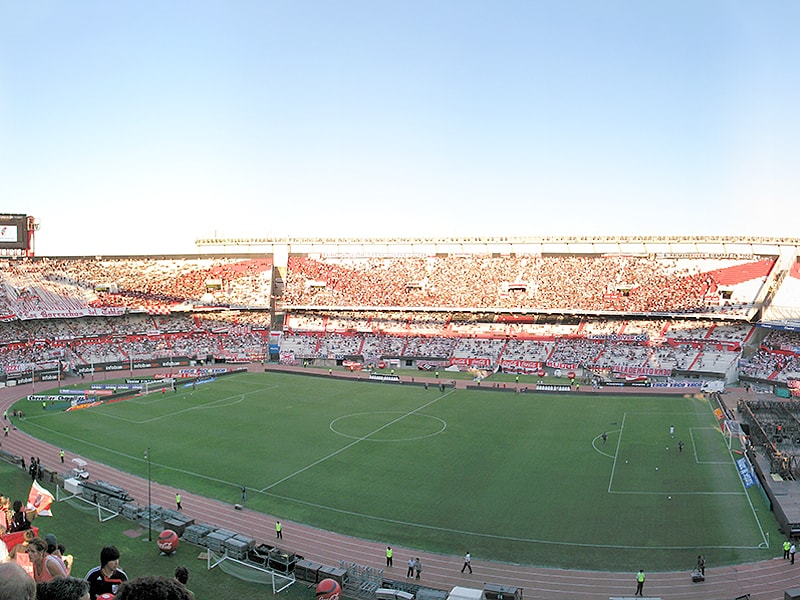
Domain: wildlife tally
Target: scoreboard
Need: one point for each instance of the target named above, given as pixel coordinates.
(16, 233)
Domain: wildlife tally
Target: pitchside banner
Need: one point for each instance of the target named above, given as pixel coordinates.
(528, 365)
(653, 371)
(745, 472)
(471, 362)
(135, 365)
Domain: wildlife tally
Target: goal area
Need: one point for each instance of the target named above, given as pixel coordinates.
(732, 430)
(158, 385)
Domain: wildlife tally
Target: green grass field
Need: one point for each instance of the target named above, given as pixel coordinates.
(521, 478)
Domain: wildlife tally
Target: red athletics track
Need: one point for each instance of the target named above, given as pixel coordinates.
(765, 580)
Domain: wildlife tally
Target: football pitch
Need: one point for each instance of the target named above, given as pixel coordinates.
(523, 478)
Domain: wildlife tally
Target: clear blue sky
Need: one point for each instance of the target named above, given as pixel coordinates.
(140, 126)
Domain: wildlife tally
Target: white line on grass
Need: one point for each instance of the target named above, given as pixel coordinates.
(598, 450)
(494, 536)
(616, 452)
(764, 538)
(137, 458)
(212, 404)
(407, 523)
(353, 443)
(694, 447)
(396, 521)
(648, 493)
(637, 493)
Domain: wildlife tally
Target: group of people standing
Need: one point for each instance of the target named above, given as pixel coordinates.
(35, 469)
(789, 550)
(414, 568)
(415, 564)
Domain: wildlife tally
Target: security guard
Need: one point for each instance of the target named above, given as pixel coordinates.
(388, 556)
(639, 583)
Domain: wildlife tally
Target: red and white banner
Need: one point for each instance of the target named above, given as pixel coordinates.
(643, 371)
(560, 365)
(25, 313)
(287, 358)
(471, 362)
(509, 363)
(39, 499)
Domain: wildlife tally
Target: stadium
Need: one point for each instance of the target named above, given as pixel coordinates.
(553, 404)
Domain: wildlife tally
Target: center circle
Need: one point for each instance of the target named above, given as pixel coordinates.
(376, 427)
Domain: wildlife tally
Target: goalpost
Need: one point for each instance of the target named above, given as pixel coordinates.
(249, 572)
(732, 429)
(166, 384)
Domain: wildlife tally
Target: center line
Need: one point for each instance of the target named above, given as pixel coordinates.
(353, 443)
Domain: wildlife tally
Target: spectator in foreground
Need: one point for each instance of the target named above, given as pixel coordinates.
(182, 577)
(45, 566)
(151, 587)
(55, 549)
(63, 588)
(108, 576)
(15, 583)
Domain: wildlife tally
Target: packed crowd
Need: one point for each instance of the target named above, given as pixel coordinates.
(31, 287)
(111, 295)
(71, 343)
(39, 568)
(50, 343)
(777, 359)
(688, 345)
(609, 283)
(475, 324)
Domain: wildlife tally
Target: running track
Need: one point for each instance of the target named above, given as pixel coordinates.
(765, 580)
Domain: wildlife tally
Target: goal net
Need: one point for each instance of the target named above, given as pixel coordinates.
(249, 572)
(158, 385)
(732, 430)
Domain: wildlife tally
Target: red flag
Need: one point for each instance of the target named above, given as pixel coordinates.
(39, 499)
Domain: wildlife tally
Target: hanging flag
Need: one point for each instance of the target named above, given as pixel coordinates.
(39, 499)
